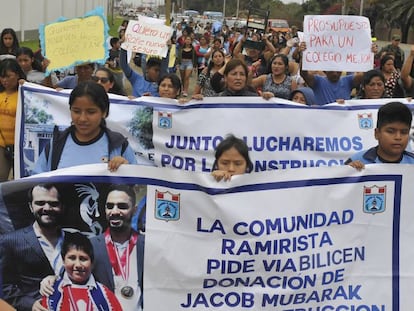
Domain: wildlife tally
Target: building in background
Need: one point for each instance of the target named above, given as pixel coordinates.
(25, 16)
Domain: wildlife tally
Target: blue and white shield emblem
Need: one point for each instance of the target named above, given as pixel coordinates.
(164, 120)
(374, 199)
(167, 205)
(365, 121)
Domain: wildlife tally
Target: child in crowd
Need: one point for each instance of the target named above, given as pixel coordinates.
(8, 43)
(142, 85)
(113, 62)
(303, 95)
(232, 158)
(88, 135)
(77, 289)
(392, 132)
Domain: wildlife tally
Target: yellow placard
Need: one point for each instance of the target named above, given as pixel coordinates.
(75, 41)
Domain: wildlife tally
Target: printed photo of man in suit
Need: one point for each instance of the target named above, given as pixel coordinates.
(31, 253)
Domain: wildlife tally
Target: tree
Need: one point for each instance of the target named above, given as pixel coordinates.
(141, 126)
(401, 12)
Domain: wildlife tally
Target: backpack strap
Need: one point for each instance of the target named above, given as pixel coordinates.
(58, 143)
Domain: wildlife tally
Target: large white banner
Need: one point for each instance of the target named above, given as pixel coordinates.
(307, 239)
(281, 134)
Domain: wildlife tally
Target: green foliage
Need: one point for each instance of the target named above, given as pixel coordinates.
(38, 116)
(141, 126)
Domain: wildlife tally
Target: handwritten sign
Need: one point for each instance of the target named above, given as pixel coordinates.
(147, 35)
(337, 43)
(70, 42)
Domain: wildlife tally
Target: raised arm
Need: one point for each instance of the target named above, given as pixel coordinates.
(306, 75)
(406, 69)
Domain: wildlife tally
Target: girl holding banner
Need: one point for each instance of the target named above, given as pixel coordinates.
(88, 135)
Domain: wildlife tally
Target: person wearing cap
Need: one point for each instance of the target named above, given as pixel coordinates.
(394, 48)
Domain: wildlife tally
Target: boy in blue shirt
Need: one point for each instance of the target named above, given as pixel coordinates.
(392, 132)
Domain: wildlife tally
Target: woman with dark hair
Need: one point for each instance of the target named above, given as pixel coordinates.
(392, 77)
(235, 79)
(9, 42)
(277, 82)
(169, 86)
(373, 85)
(106, 78)
(88, 135)
(203, 85)
(232, 158)
(31, 66)
(10, 74)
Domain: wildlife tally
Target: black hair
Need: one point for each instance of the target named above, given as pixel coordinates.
(175, 81)
(36, 65)
(95, 92)
(128, 189)
(239, 144)
(366, 79)
(394, 112)
(386, 58)
(12, 65)
(15, 46)
(211, 63)
(285, 60)
(153, 61)
(47, 186)
(116, 88)
(113, 41)
(233, 63)
(77, 241)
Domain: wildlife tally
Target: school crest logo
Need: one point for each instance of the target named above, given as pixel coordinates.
(164, 120)
(167, 206)
(365, 121)
(374, 199)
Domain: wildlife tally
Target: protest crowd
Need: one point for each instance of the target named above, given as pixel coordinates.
(203, 60)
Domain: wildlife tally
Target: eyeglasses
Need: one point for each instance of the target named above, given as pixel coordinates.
(97, 79)
(120, 205)
(51, 203)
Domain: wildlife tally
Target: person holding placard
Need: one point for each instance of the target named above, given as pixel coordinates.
(142, 85)
(333, 86)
